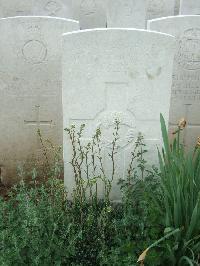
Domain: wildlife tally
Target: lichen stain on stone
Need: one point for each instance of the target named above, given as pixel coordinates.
(133, 74)
(152, 76)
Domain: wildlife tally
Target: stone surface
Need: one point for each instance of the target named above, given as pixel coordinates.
(11, 8)
(177, 7)
(126, 13)
(190, 7)
(116, 74)
(30, 86)
(160, 8)
(55, 8)
(90, 13)
(185, 99)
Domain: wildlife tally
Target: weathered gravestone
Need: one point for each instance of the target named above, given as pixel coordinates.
(90, 13)
(116, 74)
(55, 8)
(160, 8)
(185, 100)
(190, 7)
(126, 13)
(30, 87)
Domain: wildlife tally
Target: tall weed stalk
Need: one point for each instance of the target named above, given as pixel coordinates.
(180, 184)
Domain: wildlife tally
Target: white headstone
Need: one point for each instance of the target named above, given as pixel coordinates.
(116, 74)
(190, 7)
(30, 86)
(126, 13)
(11, 8)
(160, 8)
(185, 101)
(55, 8)
(90, 13)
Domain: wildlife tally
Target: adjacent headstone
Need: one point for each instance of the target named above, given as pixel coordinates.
(116, 74)
(126, 13)
(160, 8)
(30, 87)
(55, 8)
(90, 13)
(185, 101)
(190, 7)
(11, 8)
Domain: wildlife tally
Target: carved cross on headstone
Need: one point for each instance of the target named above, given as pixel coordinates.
(115, 101)
(37, 122)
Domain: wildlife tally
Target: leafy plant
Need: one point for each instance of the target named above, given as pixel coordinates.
(87, 163)
(39, 225)
(180, 187)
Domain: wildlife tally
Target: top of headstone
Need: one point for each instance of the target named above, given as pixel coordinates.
(42, 18)
(173, 17)
(119, 29)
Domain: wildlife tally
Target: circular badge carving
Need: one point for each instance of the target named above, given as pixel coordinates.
(127, 130)
(188, 55)
(34, 51)
(52, 7)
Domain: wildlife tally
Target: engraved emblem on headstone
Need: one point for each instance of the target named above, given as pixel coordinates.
(188, 55)
(116, 110)
(34, 51)
(52, 7)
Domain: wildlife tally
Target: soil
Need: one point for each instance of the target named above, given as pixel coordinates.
(4, 191)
